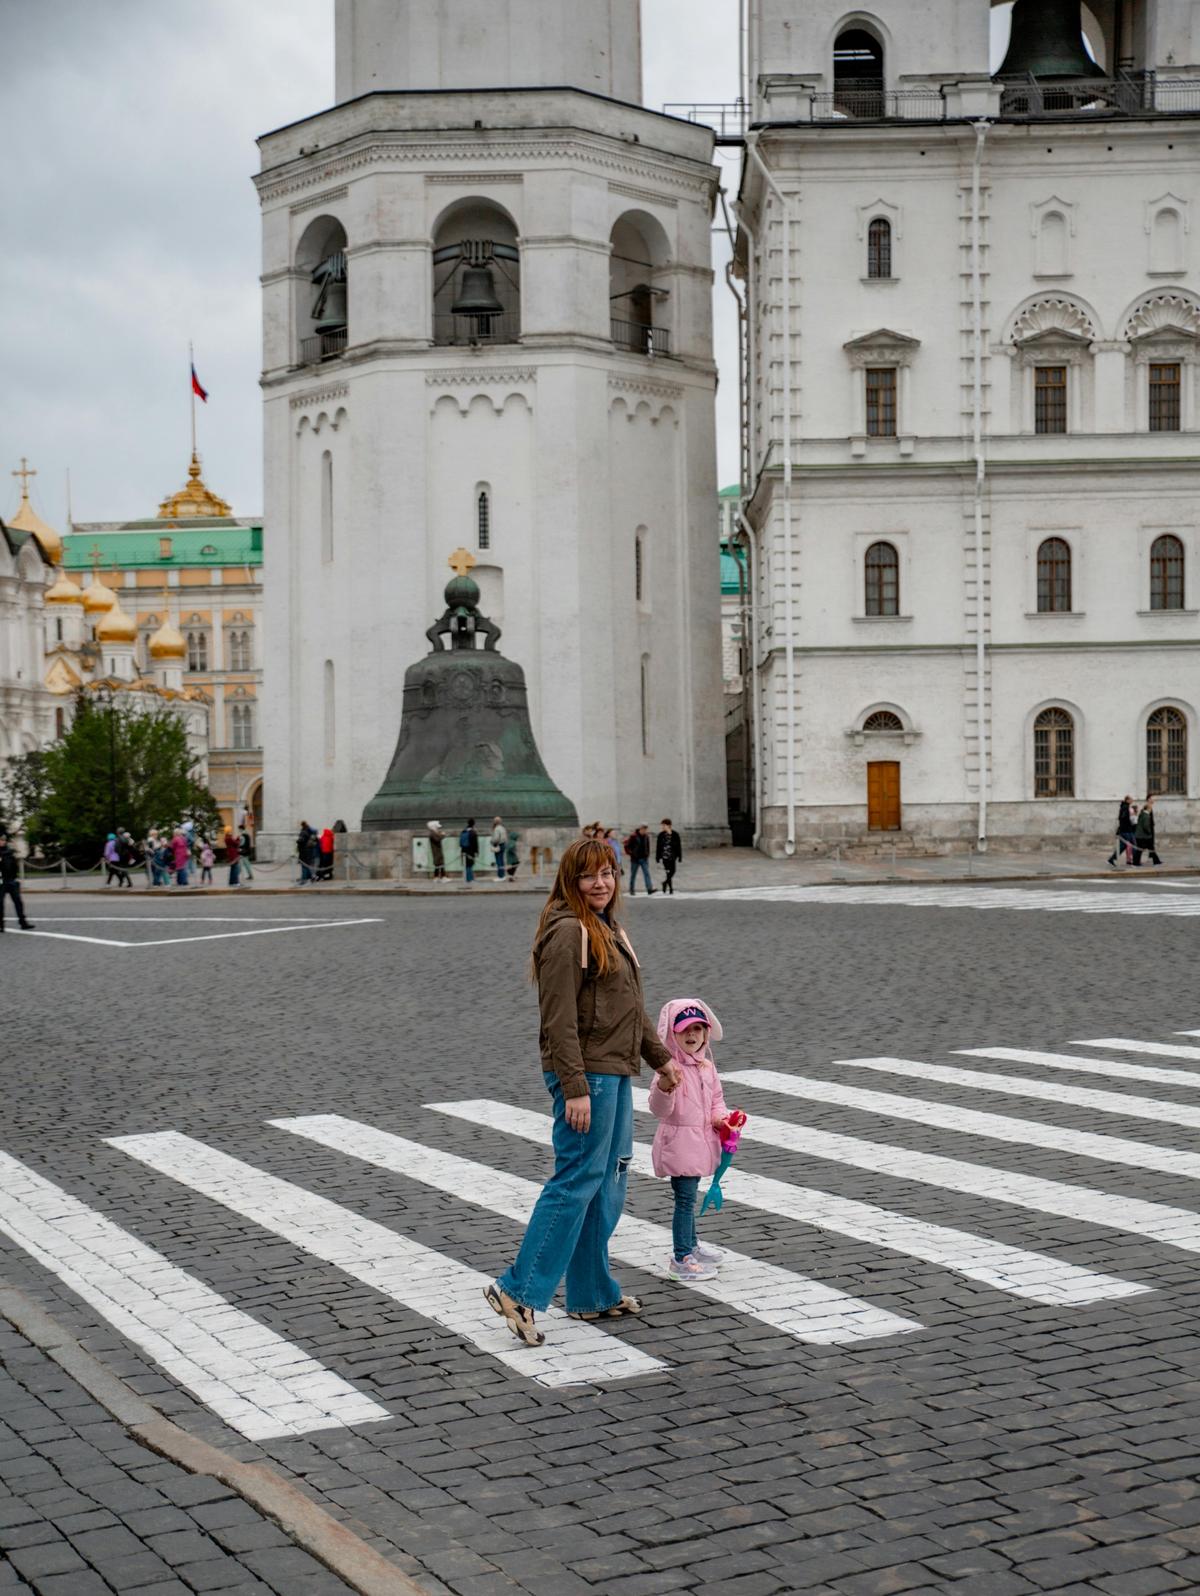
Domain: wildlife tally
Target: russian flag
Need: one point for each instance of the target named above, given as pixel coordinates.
(200, 392)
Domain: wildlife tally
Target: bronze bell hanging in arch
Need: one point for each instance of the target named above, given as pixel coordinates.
(1047, 42)
(477, 295)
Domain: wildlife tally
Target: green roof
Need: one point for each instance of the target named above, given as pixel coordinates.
(729, 572)
(203, 542)
(732, 492)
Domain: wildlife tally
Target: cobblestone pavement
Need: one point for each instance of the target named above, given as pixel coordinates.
(955, 1338)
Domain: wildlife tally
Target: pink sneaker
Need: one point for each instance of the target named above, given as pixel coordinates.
(690, 1269)
(707, 1254)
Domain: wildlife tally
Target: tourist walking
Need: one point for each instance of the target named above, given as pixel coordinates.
(112, 860)
(1125, 830)
(637, 846)
(614, 842)
(468, 846)
(499, 841)
(595, 1032)
(325, 842)
(511, 857)
(1143, 833)
(233, 858)
(245, 852)
(207, 860)
(437, 838)
(181, 856)
(305, 847)
(668, 851)
(691, 1120)
(10, 884)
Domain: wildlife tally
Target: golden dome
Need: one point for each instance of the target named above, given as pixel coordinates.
(168, 642)
(96, 597)
(116, 626)
(64, 591)
(28, 520)
(194, 499)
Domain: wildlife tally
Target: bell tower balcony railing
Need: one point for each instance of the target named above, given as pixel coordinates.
(639, 339)
(449, 329)
(323, 346)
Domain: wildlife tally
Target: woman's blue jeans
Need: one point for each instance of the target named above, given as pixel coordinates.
(683, 1220)
(579, 1205)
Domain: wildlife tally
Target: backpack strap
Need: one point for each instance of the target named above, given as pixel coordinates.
(583, 946)
(629, 945)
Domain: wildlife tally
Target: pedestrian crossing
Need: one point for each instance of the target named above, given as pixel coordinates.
(1068, 900)
(264, 1384)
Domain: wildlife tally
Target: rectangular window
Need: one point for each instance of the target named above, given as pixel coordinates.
(1165, 389)
(1050, 399)
(881, 401)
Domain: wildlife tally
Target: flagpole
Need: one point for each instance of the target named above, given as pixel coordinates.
(192, 392)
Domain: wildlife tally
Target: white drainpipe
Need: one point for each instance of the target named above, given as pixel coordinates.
(755, 718)
(789, 571)
(983, 730)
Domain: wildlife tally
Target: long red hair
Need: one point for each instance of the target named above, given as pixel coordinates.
(585, 857)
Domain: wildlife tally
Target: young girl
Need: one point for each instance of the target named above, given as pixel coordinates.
(207, 857)
(687, 1144)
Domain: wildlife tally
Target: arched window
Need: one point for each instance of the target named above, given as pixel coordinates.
(639, 572)
(1052, 245)
(476, 276)
(1166, 573)
(197, 651)
(1166, 241)
(882, 568)
(322, 293)
(327, 506)
(858, 77)
(242, 725)
(1054, 755)
(879, 248)
(330, 710)
(1053, 576)
(882, 720)
(60, 723)
(1166, 751)
(483, 519)
(645, 703)
(239, 651)
(639, 300)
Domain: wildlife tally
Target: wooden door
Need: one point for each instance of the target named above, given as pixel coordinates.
(883, 795)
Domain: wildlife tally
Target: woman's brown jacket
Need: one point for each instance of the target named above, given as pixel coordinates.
(591, 1023)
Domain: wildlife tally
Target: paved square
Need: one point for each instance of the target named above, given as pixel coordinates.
(262, 1176)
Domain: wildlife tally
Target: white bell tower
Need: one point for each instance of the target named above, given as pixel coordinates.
(487, 322)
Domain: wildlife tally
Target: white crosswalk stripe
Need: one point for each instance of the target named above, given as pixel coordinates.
(429, 1283)
(1178, 1227)
(1032, 899)
(1031, 1275)
(786, 1301)
(1084, 1066)
(256, 1381)
(1021, 1086)
(974, 1122)
(1120, 1044)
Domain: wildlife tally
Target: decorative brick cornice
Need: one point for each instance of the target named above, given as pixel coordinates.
(631, 191)
(470, 178)
(643, 385)
(322, 396)
(472, 376)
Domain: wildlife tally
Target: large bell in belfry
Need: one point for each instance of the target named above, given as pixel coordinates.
(1047, 42)
(466, 746)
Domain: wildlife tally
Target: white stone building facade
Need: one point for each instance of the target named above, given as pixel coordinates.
(487, 323)
(972, 498)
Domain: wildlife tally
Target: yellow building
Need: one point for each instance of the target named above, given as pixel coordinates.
(198, 567)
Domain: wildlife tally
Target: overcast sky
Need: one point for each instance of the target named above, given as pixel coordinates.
(131, 226)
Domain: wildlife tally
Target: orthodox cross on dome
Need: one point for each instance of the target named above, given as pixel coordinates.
(24, 473)
(461, 562)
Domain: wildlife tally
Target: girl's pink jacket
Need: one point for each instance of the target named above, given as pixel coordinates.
(685, 1142)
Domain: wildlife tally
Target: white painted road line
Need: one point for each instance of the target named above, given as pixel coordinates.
(1068, 901)
(427, 1282)
(1121, 1044)
(1177, 1227)
(788, 1302)
(1087, 1066)
(1019, 1086)
(1010, 1269)
(258, 1383)
(214, 936)
(972, 1122)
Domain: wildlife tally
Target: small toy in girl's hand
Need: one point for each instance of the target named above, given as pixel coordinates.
(731, 1135)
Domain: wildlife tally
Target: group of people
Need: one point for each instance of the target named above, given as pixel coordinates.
(175, 856)
(668, 852)
(503, 842)
(1135, 832)
(595, 1035)
(314, 849)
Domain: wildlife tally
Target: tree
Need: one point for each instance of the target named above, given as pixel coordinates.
(116, 766)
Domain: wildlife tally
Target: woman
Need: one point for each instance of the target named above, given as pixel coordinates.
(595, 1032)
(233, 858)
(1144, 833)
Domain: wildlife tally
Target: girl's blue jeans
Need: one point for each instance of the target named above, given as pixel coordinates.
(579, 1205)
(683, 1220)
